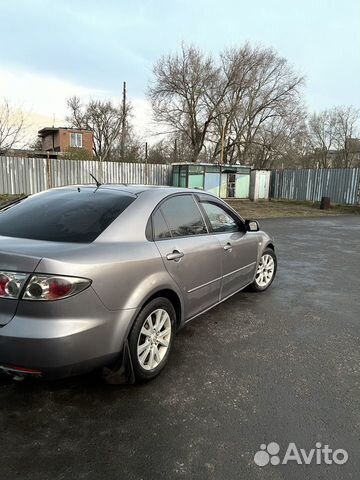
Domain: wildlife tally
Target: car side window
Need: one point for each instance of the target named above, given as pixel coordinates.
(183, 216)
(220, 220)
(161, 230)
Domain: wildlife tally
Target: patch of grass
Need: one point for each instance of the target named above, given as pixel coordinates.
(288, 208)
(8, 198)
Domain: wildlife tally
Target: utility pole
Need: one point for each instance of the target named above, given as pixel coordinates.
(175, 150)
(222, 145)
(123, 121)
(146, 163)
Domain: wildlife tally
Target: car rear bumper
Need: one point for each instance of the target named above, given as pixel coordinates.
(65, 337)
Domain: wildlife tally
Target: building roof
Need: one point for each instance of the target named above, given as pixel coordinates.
(208, 164)
(223, 167)
(46, 130)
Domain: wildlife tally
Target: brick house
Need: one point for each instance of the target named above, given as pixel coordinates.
(61, 139)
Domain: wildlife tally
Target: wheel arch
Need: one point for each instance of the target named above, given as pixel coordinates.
(173, 297)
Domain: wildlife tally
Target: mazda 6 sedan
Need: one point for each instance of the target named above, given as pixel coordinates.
(102, 278)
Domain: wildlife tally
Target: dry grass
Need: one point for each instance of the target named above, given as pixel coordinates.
(287, 208)
(8, 198)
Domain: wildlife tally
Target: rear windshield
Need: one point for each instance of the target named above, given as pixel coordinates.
(64, 215)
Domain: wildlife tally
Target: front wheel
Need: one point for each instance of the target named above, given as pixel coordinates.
(151, 338)
(266, 271)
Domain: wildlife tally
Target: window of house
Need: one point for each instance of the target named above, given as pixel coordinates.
(76, 140)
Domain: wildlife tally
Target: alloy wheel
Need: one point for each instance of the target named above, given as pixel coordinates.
(265, 270)
(154, 339)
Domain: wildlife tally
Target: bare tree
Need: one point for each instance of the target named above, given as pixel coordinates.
(104, 119)
(35, 144)
(161, 152)
(332, 134)
(12, 126)
(346, 121)
(237, 67)
(280, 142)
(221, 106)
(296, 151)
(322, 134)
(186, 94)
(247, 107)
(264, 93)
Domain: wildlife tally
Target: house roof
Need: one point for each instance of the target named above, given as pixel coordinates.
(46, 130)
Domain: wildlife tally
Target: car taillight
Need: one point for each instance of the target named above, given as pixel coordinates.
(53, 287)
(12, 283)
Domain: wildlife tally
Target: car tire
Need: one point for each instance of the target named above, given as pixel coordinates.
(151, 338)
(265, 271)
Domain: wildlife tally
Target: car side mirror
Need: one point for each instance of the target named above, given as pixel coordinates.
(252, 225)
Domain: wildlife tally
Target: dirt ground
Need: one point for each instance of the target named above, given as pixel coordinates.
(6, 198)
(286, 208)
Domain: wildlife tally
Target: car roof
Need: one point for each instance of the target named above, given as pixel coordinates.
(136, 189)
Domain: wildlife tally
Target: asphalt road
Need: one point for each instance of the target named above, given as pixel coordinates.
(282, 366)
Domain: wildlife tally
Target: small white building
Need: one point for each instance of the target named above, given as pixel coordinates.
(260, 184)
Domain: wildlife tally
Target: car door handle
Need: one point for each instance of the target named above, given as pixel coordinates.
(175, 255)
(228, 246)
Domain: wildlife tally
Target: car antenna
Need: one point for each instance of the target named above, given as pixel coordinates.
(98, 184)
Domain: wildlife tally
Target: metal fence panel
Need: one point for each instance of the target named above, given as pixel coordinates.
(22, 175)
(342, 185)
(31, 175)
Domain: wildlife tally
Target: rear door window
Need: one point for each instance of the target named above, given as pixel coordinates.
(77, 215)
(161, 230)
(183, 216)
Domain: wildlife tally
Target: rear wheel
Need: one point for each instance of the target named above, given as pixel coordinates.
(151, 338)
(266, 271)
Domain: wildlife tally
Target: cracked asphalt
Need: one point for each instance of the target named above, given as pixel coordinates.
(281, 366)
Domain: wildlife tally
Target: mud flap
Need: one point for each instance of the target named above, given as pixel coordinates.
(123, 371)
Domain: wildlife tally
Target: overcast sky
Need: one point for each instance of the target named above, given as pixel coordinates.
(54, 49)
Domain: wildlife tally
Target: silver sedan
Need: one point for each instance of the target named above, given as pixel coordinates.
(102, 278)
